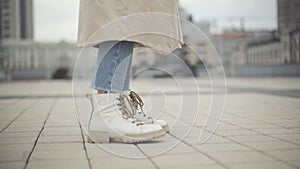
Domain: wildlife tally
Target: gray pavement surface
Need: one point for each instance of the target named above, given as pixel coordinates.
(260, 128)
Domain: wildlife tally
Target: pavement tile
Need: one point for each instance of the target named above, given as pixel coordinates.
(216, 139)
(182, 160)
(22, 129)
(15, 147)
(238, 120)
(294, 163)
(252, 138)
(91, 146)
(13, 156)
(212, 139)
(121, 163)
(61, 131)
(4, 104)
(57, 139)
(228, 133)
(288, 137)
(123, 150)
(96, 153)
(21, 140)
(225, 126)
(27, 123)
(271, 145)
(289, 124)
(286, 155)
(12, 165)
(220, 147)
(58, 164)
(62, 123)
(58, 146)
(277, 131)
(268, 165)
(181, 148)
(19, 134)
(259, 126)
(58, 155)
(240, 157)
(159, 146)
(202, 166)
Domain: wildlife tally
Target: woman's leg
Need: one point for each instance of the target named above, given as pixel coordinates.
(112, 71)
(113, 116)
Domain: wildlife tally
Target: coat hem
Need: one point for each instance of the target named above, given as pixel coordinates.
(139, 44)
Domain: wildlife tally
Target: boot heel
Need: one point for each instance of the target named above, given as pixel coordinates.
(98, 137)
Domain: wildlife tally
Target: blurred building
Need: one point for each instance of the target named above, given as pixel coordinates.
(229, 42)
(259, 48)
(23, 58)
(289, 29)
(16, 19)
(27, 59)
(264, 52)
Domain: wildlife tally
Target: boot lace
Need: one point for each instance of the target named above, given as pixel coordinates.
(127, 111)
(137, 103)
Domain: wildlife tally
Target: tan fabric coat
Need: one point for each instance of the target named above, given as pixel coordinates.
(149, 23)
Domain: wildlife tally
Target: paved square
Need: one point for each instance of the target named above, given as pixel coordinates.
(260, 128)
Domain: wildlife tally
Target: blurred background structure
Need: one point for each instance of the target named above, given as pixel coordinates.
(21, 57)
(243, 52)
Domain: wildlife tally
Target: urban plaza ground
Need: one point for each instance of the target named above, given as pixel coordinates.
(260, 128)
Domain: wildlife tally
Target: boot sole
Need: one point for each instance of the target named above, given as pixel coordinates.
(166, 128)
(106, 137)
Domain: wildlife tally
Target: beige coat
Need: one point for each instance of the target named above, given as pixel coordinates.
(149, 23)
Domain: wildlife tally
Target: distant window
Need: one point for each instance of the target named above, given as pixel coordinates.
(6, 35)
(23, 19)
(285, 46)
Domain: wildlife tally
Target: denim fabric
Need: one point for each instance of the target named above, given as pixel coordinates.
(112, 70)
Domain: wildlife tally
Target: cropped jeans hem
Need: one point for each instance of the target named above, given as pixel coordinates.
(113, 67)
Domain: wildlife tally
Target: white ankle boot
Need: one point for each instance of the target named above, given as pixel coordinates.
(112, 118)
(138, 113)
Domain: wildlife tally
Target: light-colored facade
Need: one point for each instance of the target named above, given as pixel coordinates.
(29, 59)
(278, 54)
(229, 46)
(286, 50)
(265, 54)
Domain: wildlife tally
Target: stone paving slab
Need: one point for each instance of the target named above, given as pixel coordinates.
(260, 128)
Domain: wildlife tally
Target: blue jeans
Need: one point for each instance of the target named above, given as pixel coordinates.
(112, 70)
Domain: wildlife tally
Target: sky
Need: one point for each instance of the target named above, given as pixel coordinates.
(55, 22)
